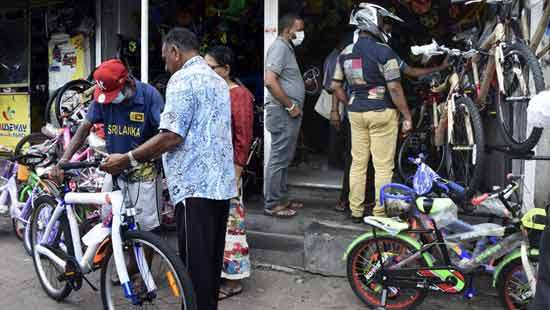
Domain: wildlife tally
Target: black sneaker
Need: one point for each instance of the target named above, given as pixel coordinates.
(357, 219)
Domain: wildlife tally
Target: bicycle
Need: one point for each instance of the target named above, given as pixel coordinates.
(22, 197)
(449, 129)
(511, 70)
(108, 245)
(398, 262)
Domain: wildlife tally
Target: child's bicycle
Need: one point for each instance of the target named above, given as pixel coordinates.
(20, 185)
(137, 267)
(398, 262)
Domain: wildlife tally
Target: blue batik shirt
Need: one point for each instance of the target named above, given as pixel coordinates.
(198, 109)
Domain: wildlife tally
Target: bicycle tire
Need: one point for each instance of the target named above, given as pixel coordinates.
(532, 138)
(356, 284)
(49, 112)
(471, 181)
(504, 278)
(175, 262)
(64, 229)
(78, 85)
(33, 139)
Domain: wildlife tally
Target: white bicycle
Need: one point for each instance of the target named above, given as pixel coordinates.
(137, 268)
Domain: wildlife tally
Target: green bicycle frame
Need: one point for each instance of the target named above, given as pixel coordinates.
(442, 274)
(31, 183)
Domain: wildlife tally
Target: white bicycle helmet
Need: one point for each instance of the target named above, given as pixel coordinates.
(370, 17)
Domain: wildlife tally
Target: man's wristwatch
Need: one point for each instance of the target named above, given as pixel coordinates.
(291, 107)
(133, 161)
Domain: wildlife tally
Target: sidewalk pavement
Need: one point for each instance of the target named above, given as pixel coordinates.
(267, 289)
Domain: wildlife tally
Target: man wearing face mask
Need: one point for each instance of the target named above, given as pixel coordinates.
(283, 106)
(130, 111)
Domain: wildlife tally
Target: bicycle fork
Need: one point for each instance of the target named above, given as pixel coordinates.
(118, 243)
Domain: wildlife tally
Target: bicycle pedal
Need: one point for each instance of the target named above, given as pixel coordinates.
(73, 274)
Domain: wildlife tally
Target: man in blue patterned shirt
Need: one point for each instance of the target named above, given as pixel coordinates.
(196, 142)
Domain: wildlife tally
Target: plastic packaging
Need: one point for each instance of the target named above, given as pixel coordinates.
(494, 207)
(480, 230)
(442, 210)
(538, 111)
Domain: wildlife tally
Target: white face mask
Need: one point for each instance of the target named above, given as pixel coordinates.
(119, 98)
(300, 35)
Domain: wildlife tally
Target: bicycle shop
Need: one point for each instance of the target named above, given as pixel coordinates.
(47, 43)
(318, 165)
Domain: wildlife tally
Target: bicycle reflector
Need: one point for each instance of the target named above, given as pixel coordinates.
(173, 284)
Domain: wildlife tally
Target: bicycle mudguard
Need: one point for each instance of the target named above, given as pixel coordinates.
(516, 254)
(407, 239)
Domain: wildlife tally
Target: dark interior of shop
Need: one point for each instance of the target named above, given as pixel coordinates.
(319, 156)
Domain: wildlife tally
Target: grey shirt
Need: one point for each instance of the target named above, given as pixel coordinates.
(281, 59)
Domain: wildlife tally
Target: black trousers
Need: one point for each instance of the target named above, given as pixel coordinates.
(201, 225)
(542, 296)
(369, 189)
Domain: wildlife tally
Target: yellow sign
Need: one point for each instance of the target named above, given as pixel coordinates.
(15, 118)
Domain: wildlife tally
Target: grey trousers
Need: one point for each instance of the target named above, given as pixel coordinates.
(284, 132)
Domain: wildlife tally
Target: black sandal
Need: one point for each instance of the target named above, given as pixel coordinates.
(226, 292)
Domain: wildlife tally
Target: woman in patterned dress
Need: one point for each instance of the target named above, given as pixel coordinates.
(236, 261)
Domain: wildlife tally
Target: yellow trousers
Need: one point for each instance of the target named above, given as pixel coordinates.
(375, 133)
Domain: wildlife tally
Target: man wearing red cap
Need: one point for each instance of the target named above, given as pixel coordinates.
(130, 111)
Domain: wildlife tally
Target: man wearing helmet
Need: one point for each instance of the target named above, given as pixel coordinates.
(372, 71)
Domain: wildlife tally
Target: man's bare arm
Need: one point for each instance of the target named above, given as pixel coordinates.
(77, 140)
(156, 146)
(398, 98)
(274, 87)
(339, 93)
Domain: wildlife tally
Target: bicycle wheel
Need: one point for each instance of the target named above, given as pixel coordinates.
(59, 243)
(420, 142)
(28, 141)
(523, 78)
(174, 286)
(68, 98)
(466, 149)
(364, 257)
(513, 287)
(49, 113)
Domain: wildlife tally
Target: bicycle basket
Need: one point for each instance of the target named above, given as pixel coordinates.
(534, 221)
(397, 199)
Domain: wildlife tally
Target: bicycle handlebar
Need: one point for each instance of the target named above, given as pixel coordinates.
(513, 179)
(79, 165)
(434, 49)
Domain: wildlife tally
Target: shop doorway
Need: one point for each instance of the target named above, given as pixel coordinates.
(319, 160)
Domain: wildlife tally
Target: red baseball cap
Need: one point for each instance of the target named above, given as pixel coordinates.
(110, 77)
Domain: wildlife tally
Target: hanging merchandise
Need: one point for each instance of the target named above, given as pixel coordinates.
(69, 59)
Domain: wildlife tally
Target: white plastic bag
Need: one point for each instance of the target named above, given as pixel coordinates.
(538, 111)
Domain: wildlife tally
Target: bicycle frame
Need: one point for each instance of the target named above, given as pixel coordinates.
(494, 43)
(94, 238)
